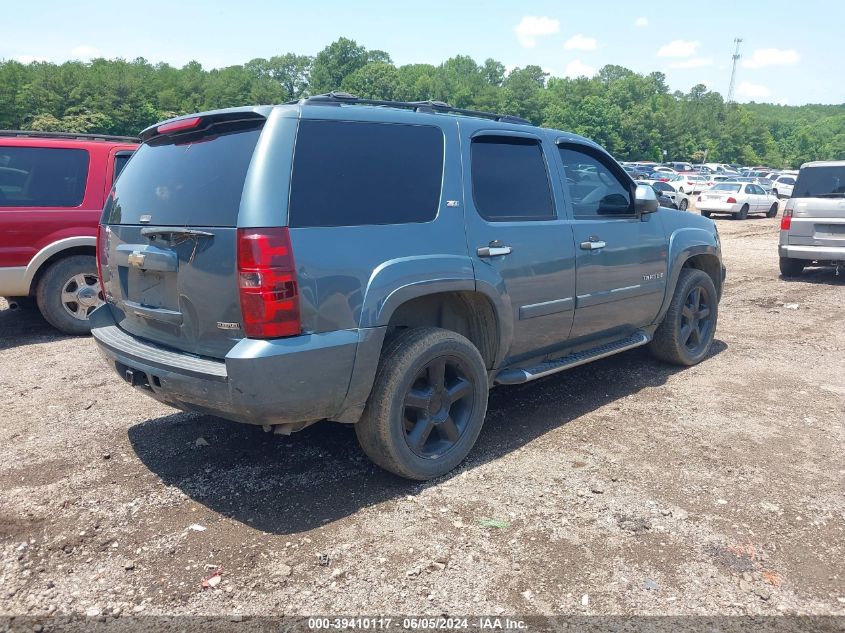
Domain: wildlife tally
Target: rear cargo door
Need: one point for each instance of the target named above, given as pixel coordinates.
(170, 273)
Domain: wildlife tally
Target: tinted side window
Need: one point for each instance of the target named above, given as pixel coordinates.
(350, 172)
(593, 187)
(509, 179)
(120, 161)
(42, 177)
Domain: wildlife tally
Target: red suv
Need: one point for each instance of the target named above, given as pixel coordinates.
(52, 189)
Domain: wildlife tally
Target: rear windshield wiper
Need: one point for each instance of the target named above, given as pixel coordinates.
(174, 232)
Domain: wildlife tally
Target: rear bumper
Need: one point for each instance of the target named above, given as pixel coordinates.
(281, 381)
(718, 207)
(13, 281)
(820, 253)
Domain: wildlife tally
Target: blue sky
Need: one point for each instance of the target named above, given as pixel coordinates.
(791, 50)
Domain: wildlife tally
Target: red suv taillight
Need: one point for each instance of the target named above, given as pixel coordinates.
(102, 253)
(267, 282)
(786, 220)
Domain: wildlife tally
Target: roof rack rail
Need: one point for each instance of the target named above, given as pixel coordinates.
(340, 98)
(69, 135)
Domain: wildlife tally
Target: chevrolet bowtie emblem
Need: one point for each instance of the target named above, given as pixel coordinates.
(136, 258)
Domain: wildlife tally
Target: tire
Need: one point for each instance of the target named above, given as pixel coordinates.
(71, 277)
(773, 211)
(790, 267)
(694, 293)
(406, 426)
(684, 204)
(706, 214)
(743, 213)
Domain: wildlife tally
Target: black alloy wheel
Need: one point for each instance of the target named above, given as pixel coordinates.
(438, 407)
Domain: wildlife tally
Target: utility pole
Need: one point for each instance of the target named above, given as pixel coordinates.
(735, 58)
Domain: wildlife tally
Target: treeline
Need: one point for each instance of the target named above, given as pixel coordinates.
(634, 116)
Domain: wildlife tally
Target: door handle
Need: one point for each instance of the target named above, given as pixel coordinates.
(593, 244)
(494, 249)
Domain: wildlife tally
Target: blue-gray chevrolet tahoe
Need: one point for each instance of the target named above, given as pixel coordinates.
(384, 264)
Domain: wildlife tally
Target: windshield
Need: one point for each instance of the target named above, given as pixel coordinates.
(814, 182)
(726, 187)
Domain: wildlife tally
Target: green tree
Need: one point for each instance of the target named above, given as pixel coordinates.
(334, 63)
(376, 80)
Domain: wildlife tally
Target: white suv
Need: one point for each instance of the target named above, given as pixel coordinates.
(782, 185)
(813, 225)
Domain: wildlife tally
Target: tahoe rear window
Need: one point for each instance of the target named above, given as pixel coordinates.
(187, 180)
(354, 172)
(820, 182)
(42, 176)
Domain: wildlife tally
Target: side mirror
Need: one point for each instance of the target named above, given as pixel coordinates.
(645, 200)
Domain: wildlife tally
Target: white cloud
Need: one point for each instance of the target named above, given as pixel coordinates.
(84, 52)
(577, 68)
(28, 59)
(641, 22)
(695, 62)
(581, 43)
(509, 68)
(678, 48)
(531, 27)
(752, 91)
(772, 57)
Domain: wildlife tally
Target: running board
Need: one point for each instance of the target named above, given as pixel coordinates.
(526, 374)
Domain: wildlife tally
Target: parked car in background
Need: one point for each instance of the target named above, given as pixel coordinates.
(765, 183)
(681, 168)
(689, 183)
(680, 200)
(812, 229)
(384, 267)
(722, 168)
(52, 190)
(783, 185)
(663, 197)
(737, 199)
(635, 171)
(663, 169)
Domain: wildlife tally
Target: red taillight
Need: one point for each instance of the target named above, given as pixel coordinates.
(786, 220)
(102, 253)
(731, 200)
(181, 124)
(267, 282)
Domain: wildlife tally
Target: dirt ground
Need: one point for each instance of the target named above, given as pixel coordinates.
(621, 487)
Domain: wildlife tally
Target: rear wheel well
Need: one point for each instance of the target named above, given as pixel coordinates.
(68, 252)
(467, 313)
(710, 265)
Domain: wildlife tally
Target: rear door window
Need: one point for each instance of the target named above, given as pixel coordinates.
(197, 181)
(510, 181)
(349, 173)
(120, 160)
(42, 176)
(823, 182)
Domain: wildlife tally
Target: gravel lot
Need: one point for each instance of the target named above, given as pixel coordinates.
(621, 487)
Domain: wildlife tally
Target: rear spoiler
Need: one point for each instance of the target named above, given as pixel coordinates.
(195, 123)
